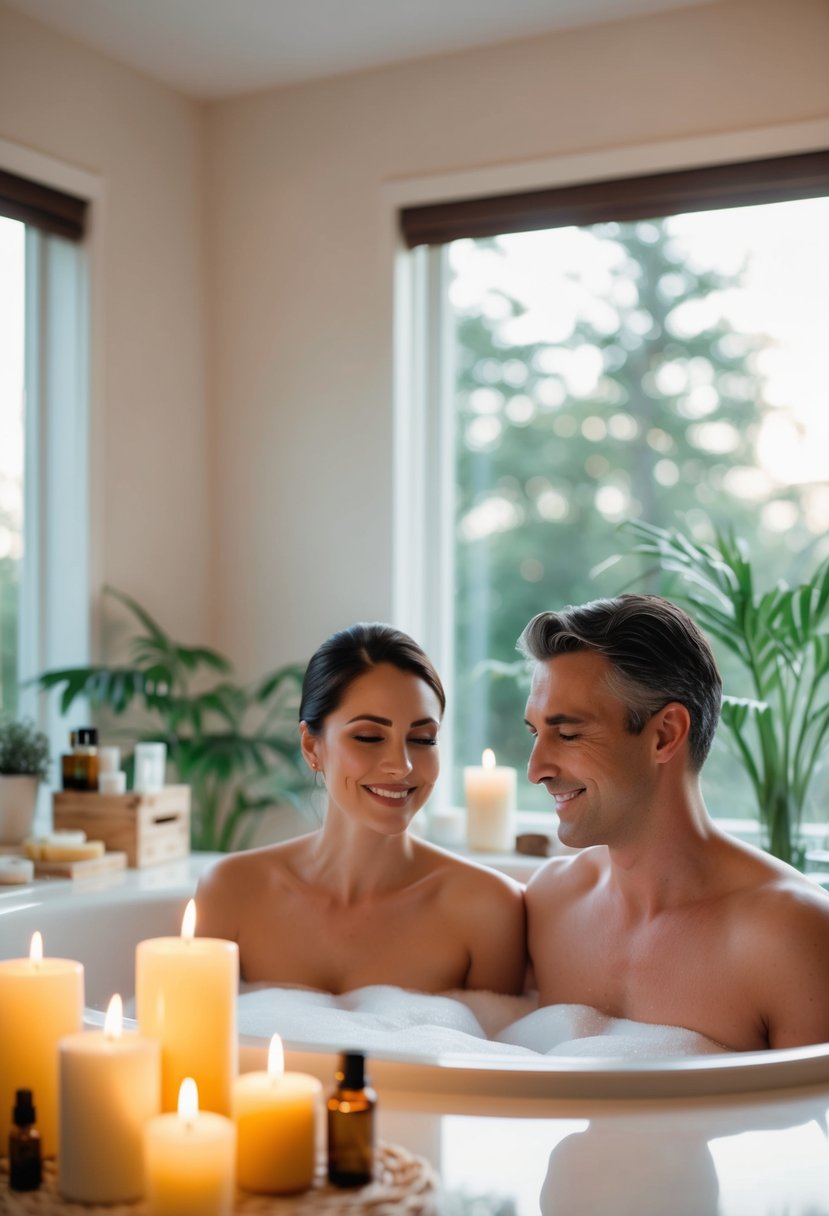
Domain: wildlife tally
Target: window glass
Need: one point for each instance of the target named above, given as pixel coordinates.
(12, 275)
(675, 371)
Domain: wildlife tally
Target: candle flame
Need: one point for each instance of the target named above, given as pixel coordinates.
(488, 758)
(276, 1057)
(36, 948)
(114, 1020)
(188, 1100)
(188, 922)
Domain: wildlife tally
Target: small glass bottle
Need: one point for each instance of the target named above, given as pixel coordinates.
(86, 758)
(68, 762)
(351, 1124)
(25, 1163)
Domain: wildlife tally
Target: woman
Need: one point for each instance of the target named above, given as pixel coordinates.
(362, 901)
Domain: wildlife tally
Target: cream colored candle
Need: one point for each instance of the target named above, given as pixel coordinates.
(189, 1160)
(185, 995)
(41, 1000)
(490, 805)
(276, 1126)
(110, 1085)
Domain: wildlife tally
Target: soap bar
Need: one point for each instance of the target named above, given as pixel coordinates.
(16, 870)
(34, 846)
(72, 852)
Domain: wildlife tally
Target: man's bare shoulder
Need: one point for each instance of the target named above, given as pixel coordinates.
(563, 878)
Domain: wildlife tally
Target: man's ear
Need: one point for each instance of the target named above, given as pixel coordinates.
(672, 725)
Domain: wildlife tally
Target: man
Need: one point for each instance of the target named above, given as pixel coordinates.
(661, 917)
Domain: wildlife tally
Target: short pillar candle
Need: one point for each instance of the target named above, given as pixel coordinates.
(110, 1085)
(190, 1160)
(276, 1116)
(489, 793)
(41, 1000)
(185, 996)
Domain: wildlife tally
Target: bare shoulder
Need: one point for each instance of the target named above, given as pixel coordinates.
(463, 877)
(564, 878)
(236, 880)
(779, 933)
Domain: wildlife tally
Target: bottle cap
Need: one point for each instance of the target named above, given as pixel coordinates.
(87, 736)
(351, 1073)
(24, 1112)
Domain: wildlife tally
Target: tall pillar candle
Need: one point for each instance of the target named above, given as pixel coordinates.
(190, 1160)
(110, 1085)
(185, 996)
(41, 1000)
(489, 793)
(276, 1116)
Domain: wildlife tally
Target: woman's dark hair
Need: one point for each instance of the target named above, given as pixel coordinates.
(351, 653)
(657, 655)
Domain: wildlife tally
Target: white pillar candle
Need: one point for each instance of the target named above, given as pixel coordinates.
(110, 1085)
(189, 1160)
(41, 1000)
(489, 792)
(185, 996)
(276, 1127)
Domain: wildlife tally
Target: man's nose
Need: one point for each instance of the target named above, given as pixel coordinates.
(540, 764)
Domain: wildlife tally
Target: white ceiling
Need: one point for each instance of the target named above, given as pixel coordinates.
(217, 48)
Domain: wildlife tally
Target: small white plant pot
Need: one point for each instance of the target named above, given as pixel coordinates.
(18, 802)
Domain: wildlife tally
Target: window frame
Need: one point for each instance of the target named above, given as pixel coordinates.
(422, 560)
(63, 443)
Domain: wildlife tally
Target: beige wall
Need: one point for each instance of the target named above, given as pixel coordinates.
(145, 144)
(301, 288)
(248, 483)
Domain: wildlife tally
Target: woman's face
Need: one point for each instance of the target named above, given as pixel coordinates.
(378, 750)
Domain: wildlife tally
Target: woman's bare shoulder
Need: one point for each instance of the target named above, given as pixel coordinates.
(244, 874)
(462, 873)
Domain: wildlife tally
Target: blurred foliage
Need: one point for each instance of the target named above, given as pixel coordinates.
(666, 428)
(780, 638)
(236, 746)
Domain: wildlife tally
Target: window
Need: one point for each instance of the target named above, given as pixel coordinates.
(44, 472)
(643, 348)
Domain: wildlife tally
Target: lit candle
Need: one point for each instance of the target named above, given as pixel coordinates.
(185, 996)
(189, 1160)
(110, 1085)
(276, 1126)
(490, 805)
(41, 1000)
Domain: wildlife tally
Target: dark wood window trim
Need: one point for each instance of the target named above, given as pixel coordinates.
(772, 180)
(43, 207)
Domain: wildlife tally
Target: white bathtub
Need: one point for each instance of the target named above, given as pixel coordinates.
(100, 922)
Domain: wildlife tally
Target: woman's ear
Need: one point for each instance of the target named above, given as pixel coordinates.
(673, 725)
(309, 744)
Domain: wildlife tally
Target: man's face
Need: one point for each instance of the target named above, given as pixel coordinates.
(600, 776)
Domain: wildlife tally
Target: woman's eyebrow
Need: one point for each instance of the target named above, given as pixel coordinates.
(388, 721)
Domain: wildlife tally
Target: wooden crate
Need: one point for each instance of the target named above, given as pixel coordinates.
(149, 828)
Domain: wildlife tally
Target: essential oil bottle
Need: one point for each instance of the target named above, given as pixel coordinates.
(86, 758)
(351, 1124)
(25, 1163)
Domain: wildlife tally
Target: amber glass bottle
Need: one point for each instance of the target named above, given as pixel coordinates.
(25, 1162)
(351, 1124)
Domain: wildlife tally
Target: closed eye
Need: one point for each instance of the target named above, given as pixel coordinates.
(427, 740)
(368, 738)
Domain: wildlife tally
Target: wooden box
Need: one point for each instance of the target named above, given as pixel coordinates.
(149, 828)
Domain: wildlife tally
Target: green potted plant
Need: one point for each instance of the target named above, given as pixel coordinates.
(236, 746)
(24, 763)
(780, 638)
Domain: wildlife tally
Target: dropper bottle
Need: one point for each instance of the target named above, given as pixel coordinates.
(25, 1163)
(351, 1124)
